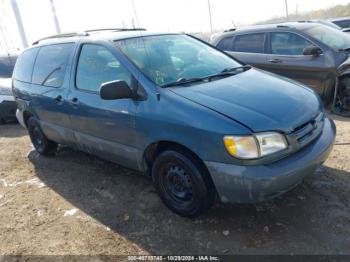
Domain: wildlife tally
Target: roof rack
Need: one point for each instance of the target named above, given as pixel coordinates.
(86, 33)
(283, 26)
(62, 35)
(115, 29)
(230, 30)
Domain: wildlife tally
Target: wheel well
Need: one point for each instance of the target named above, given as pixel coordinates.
(153, 150)
(341, 102)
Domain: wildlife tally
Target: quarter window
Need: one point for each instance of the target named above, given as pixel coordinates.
(288, 44)
(225, 44)
(250, 43)
(343, 23)
(24, 65)
(98, 65)
(50, 65)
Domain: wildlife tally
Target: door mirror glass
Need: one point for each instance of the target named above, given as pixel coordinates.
(312, 50)
(115, 90)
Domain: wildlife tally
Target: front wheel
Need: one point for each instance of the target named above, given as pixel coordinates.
(40, 142)
(183, 183)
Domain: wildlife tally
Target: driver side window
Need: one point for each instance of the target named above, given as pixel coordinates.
(284, 43)
(98, 65)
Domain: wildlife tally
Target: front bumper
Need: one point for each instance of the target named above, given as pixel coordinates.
(251, 184)
(7, 108)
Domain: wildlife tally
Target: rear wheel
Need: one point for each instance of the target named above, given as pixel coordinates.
(40, 142)
(182, 183)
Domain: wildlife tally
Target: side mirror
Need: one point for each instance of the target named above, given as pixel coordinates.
(312, 50)
(115, 90)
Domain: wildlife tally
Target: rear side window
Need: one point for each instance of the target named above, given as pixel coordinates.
(288, 44)
(251, 43)
(343, 23)
(50, 65)
(225, 44)
(98, 65)
(24, 65)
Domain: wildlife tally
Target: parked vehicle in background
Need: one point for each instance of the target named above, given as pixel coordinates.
(173, 107)
(7, 101)
(342, 22)
(311, 53)
(327, 23)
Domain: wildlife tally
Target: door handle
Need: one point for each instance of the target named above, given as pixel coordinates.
(74, 101)
(58, 98)
(275, 61)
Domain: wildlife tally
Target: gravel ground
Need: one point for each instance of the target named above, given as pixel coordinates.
(74, 203)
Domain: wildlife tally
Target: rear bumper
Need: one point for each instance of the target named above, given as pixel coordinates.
(20, 118)
(7, 108)
(251, 184)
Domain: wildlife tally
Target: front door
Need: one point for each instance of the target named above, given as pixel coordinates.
(286, 58)
(102, 127)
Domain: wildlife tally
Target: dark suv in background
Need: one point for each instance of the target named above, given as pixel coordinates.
(314, 54)
(342, 22)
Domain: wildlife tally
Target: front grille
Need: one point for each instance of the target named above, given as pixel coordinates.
(308, 132)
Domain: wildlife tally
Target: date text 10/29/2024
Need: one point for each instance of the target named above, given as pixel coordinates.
(173, 258)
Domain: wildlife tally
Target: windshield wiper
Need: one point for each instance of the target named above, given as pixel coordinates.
(344, 49)
(231, 69)
(223, 73)
(183, 81)
(229, 72)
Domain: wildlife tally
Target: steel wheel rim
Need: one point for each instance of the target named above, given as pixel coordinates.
(178, 185)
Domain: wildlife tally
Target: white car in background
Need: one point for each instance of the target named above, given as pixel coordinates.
(7, 101)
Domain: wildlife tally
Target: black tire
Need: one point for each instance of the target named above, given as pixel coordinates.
(40, 142)
(182, 183)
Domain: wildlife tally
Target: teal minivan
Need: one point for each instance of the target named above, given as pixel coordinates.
(197, 121)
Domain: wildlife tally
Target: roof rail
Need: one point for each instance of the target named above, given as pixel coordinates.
(306, 21)
(86, 33)
(283, 26)
(230, 30)
(115, 29)
(62, 35)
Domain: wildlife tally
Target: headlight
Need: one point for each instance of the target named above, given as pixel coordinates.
(270, 143)
(5, 91)
(255, 146)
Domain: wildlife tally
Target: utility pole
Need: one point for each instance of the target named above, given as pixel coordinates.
(286, 1)
(55, 19)
(211, 24)
(19, 23)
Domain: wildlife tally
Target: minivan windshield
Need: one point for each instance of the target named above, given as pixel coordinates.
(331, 37)
(167, 59)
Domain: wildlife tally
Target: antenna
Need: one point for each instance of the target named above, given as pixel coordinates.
(287, 15)
(19, 23)
(211, 24)
(135, 12)
(55, 19)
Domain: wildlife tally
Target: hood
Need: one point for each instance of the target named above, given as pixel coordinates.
(261, 101)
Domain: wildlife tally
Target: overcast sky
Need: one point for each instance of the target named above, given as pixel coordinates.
(155, 15)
